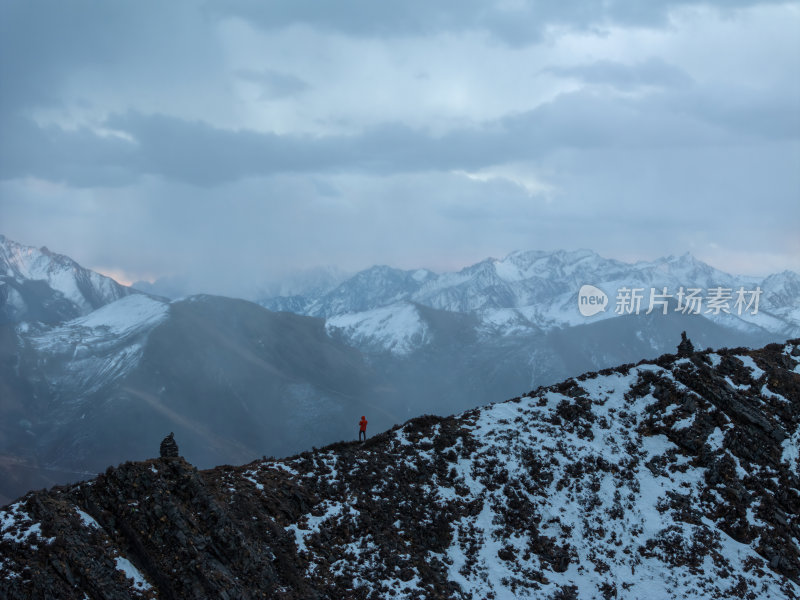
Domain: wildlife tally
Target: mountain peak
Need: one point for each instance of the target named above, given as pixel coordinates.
(47, 286)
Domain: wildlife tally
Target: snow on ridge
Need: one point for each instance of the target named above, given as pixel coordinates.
(16, 525)
(103, 345)
(421, 275)
(507, 271)
(312, 523)
(505, 321)
(27, 261)
(110, 324)
(131, 312)
(584, 485)
(397, 328)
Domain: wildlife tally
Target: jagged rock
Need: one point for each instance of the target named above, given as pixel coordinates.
(169, 448)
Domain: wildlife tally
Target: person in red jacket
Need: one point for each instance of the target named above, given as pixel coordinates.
(362, 428)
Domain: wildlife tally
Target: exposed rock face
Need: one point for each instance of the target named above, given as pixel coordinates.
(673, 478)
(169, 447)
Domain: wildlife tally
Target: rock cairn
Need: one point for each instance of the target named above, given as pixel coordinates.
(685, 348)
(169, 448)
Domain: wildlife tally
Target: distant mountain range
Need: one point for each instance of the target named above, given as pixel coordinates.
(674, 479)
(93, 373)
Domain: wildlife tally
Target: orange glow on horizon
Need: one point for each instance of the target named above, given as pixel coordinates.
(120, 276)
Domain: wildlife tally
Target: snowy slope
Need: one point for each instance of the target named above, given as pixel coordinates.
(100, 347)
(635, 483)
(671, 479)
(398, 328)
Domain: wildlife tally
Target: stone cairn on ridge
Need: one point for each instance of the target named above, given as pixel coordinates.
(685, 348)
(169, 449)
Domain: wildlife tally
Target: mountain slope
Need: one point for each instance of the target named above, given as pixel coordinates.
(232, 379)
(375, 287)
(40, 285)
(674, 478)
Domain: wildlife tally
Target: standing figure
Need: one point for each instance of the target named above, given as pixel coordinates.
(362, 428)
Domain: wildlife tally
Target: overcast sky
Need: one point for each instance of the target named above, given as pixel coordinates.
(237, 140)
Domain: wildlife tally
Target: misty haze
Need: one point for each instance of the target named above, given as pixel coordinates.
(414, 301)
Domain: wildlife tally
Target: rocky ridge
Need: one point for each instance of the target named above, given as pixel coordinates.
(672, 478)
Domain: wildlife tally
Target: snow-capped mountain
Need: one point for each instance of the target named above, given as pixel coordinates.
(233, 378)
(373, 288)
(530, 293)
(673, 479)
(40, 285)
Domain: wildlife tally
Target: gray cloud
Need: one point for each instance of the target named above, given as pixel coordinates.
(652, 72)
(80, 157)
(201, 154)
(43, 43)
(274, 84)
(238, 139)
(514, 23)
(40, 41)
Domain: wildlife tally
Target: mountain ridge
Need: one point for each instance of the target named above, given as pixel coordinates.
(676, 478)
(539, 289)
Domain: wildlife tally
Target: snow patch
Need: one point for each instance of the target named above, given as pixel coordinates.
(749, 363)
(131, 572)
(791, 451)
(716, 439)
(397, 328)
(16, 525)
(87, 519)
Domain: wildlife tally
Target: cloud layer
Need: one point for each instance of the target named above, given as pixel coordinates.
(151, 139)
